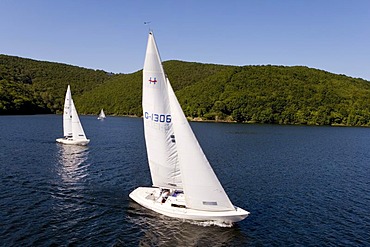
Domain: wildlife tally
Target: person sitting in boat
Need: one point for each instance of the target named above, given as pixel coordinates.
(165, 195)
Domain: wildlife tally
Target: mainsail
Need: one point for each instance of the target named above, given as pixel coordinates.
(67, 114)
(158, 127)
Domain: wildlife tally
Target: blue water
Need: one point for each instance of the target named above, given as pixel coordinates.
(304, 186)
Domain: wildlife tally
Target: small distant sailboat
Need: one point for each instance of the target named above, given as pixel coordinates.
(184, 183)
(101, 115)
(72, 128)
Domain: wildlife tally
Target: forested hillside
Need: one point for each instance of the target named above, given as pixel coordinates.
(121, 95)
(278, 94)
(261, 94)
(30, 87)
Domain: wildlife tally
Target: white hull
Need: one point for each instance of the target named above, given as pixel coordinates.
(174, 206)
(70, 141)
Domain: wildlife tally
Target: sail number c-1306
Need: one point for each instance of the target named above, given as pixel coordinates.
(161, 118)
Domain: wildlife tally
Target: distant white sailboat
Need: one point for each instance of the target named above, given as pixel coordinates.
(184, 183)
(72, 128)
(101, 115)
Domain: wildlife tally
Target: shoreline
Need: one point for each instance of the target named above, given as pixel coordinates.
(201, 120)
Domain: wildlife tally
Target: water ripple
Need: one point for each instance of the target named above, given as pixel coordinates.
(304, 186)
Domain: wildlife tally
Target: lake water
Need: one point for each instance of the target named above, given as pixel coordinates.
(305, 186)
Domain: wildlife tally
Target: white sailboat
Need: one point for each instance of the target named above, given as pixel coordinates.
(72, 128)
(101, 115)
(184, 183)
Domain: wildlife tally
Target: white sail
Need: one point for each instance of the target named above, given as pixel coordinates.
(101, 115)
(160, 144)
(203, 191)
(67, 114)
(72, 128)
(77, 130)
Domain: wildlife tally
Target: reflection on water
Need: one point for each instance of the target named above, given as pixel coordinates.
(160, 230)
(72, 162)
(68, 192)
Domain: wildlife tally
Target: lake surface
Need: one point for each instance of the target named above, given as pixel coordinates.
(305, 186)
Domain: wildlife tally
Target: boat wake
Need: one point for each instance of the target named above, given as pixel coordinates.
(153, 229)
(210, 223)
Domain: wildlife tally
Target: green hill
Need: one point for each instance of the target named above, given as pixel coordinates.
(30, 87)
(278, 94)
(261, 94)
(121, 95)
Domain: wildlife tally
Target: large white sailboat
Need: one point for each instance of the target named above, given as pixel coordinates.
(184, 183)
(72, 128)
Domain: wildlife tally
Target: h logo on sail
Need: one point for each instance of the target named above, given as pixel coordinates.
(154, 81)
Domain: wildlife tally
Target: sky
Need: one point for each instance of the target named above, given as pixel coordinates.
(331, 35)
